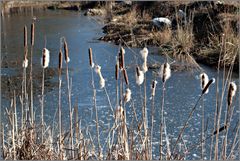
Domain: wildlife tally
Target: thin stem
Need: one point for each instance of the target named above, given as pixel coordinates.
(152, 127)
(42, 106)
(70, 109)
(185, 125)
(203, 135)
(161, 124)
(60, 116)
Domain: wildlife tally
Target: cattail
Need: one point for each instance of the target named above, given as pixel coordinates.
(153, 87)
(139, 76)
(25, 36)
(67, 59)
(90, 58)
(208, 84)
(45, 58)
(101, 79)
(165, 72)
(32, 33)
(25, 63)
(231, 92)
(144, 53)
(127, 95)
(121, 58)
(60, 60)
(125, 76)
(204, 80)
(144, 67)
(116, 71)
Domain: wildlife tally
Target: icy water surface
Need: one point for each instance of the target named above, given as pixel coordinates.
(81, 32)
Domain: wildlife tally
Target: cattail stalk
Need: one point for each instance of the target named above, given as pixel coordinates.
(231, 93)
(69, 95)
(31, 82)
(96, 111)
(42, 106)
(13, 127)
(153, 87)
(204, 80)
(59, 104)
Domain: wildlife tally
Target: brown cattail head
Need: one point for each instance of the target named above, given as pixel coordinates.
(138, 71)
(90, 57)
(60, 60)
(204, 80)
(66, 51)
(25, 36)
(32, 33)
(125, 76)
(231, 92)
(165, 72)
(207, 86)
(116, 71)
(121, 58)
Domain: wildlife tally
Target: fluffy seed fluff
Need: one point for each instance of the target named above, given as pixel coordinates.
(153, 87)
(25, 63)
(144, 67)
(127, 95)
(231, 92)
(101, 79)
(139, 76)
(144, 53)
(204, 80)
(165, 72)
(45, 58)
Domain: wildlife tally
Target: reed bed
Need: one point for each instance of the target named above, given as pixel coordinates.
(126, 139)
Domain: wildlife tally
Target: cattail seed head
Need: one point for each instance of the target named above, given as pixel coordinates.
(165, 72)
(67, 59)
(116, 71)
(153, 87)
(125, 76)
(102, 82)
(32, 33)
(121, 58)
(45, 58)
(139, 76)
(204, 80)
(101, 79)
(60, 61)
(90, 58)
(25, 63)
(144, 53)
(127, 95)
(25, 36)
(231, 92)
(211, 81)
(144, 67)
